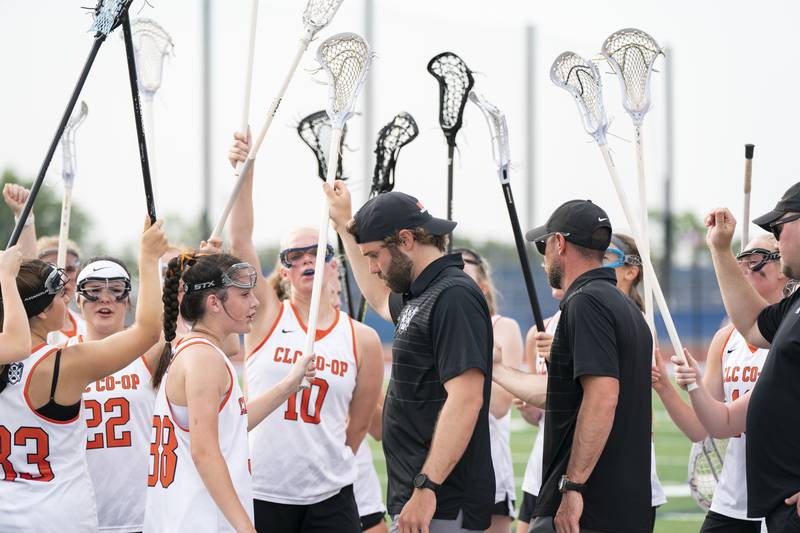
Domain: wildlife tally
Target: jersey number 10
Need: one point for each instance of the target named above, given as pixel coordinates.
(305, 402)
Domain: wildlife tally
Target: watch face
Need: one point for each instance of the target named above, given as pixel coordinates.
(561, 483)
(419, 480)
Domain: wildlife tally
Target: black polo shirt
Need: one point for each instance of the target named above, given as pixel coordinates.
(601, 333)
(442, 329)
(773, 417)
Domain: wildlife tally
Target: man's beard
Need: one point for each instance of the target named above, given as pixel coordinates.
(555, 275)
(398, 277)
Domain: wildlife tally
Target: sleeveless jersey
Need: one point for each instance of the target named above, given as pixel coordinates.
(299, 451)
(118, 411)
(500, 442)
(367, 487)
(77, 327)
(741, 366)
(177, 498)
(44, 480)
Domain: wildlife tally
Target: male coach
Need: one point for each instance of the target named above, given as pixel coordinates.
(435, 418)
(596, 466)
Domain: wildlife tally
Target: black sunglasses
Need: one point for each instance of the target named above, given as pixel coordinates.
(777, 226)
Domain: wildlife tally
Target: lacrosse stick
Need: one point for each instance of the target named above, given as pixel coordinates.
(748, 175)
(317, 15)
(455, 81)
(631, 54)
(502, 156)
(705, 467)
(315, 130)
(108, 15)
(398, 132)
(68, 174)
(581, 79)
(151, 44)
(345, 58)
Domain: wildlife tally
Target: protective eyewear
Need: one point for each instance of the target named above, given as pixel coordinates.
(54, 284)
(777, 227)
(119, 289)
(541, 243)
(757, 258)
(240, 275)
(290, 256)
(615, 257)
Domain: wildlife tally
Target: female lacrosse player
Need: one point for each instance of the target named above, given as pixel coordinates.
(46, 484)
(732, 368)
(303, 455)
(508, 340)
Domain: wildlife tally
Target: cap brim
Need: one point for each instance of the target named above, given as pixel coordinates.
(439, 226)
(765, 220)
(536, 233)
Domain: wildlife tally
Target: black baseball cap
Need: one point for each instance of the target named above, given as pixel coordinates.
(577, 220)
(389, 212)
(789, 203)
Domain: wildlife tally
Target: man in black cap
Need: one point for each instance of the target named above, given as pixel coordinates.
(435, 418)
(772, 417)
(596, 464)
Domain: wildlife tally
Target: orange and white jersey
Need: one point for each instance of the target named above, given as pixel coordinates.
(741, 366)
(177, 498)
(299, 451)
(77, 327)
(44, 480)
(367, 486)
(119, 414)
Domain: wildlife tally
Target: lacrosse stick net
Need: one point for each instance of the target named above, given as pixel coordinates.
(151, 44)
(108, 15)
(315, 130)
(318, 14)
(631, 54)
(455, 81)
(400, 131)
(705, 467)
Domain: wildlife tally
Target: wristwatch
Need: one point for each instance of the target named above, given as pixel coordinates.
(564, 484)
(422, 481)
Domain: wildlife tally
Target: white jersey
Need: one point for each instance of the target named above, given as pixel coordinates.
(177, 498)
(657, 495)
(741, 366)
(77, 327)
(500, 442)
(119, 414)
(299, 451)
(45, 485)
(367, 487)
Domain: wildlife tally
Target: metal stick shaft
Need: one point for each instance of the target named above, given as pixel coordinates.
(645, 234)
(450, 153)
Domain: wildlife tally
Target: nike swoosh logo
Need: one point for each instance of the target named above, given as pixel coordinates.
(95, 269)
(602, 219)
(732, 350)
(287, 330)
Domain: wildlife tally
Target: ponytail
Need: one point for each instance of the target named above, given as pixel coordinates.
(170, 299)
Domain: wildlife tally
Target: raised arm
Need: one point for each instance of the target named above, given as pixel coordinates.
(508, 337)
(15, 197)
(15, 340)
(368, 385)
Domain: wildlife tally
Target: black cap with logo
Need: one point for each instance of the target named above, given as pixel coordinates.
(390, 212)
(789, 203)
(577, 221)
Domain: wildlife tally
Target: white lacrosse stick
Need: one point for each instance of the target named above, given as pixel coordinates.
(345, 58)
(68, 174)
(317, 15)
(631, 54)
(581, 79)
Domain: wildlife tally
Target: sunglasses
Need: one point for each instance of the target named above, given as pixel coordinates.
(777, 227)
(757, 258)
(290, 256)
(541, 242)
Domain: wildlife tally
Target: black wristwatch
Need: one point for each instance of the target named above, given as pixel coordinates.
(564, 484)
(422, 481)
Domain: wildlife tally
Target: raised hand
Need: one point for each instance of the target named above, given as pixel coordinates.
(341, 208)
(15, 197)
(543, 343)
(10, 261)
(303, 367)
(154, 241)
(721, 225)
(240, 149)
(685, 375)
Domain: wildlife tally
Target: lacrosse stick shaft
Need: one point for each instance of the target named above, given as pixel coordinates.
(248, 74)
(645, 234)
(150, 133)
(748, 175)
(241, 171)
(649, 272)
(37, 184)
(63, 232)
(137, 115)
(345, 270)
(319, 266)
(450, 153)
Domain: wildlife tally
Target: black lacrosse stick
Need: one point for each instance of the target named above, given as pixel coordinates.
(108, 15)
(455, 81)
(315, 130)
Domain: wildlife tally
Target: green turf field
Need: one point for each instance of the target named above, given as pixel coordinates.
(679, 515)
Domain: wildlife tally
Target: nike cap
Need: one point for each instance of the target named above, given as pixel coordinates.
(577, 221)
(789, 203)
(389, 212)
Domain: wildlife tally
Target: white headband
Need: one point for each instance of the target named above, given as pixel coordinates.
(103, 269)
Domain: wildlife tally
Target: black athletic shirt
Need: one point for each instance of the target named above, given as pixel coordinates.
(442, 329)
(601, 333)
(773, 417)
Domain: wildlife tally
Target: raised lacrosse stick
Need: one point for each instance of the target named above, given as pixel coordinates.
(317, 15)
(315, 131)
(345, 58)
(108, 15)
(502, 156)
(581, 79)
(455, 81)
(68, 174)
(748, 176)
(631, 54)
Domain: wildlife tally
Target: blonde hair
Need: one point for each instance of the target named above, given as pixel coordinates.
(49, 244)
(295, 232)
(282, 288)
(629, 248)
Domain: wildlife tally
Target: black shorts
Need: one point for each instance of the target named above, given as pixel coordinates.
(718, 523)
(368, 521)
(783, 519)
(526, 507)
(337, 514)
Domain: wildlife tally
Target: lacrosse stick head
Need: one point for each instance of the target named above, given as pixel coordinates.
(499, 131)
(631, 54)
(68, 143)
(315, 130)
(581, 78)
(399, 132)
(345, 58)
(318, 14)
(151, 44)
(455, 82)
(108, 15)
(705, 467)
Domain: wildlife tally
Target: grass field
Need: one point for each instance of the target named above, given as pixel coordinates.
(679, 515)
